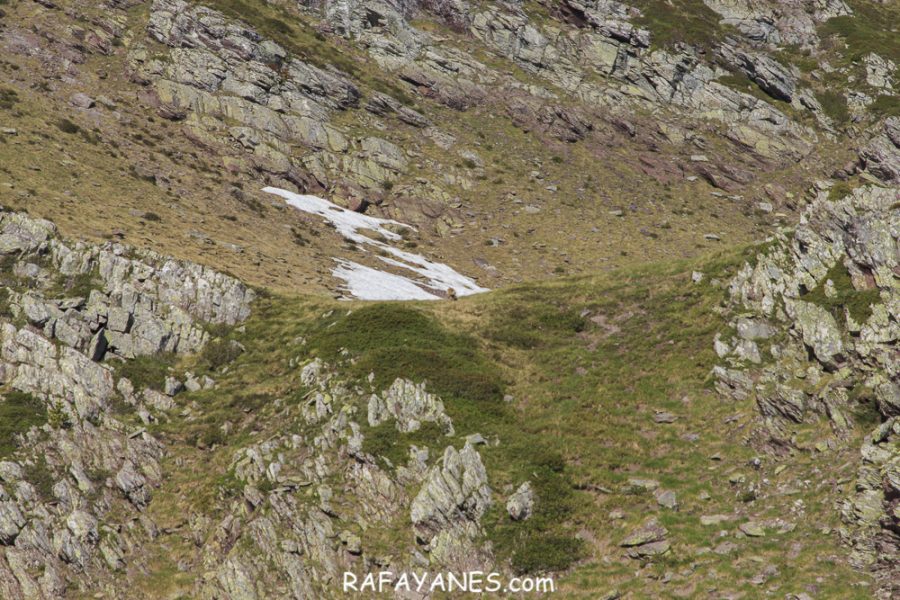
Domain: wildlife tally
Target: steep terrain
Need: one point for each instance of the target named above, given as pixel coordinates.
(673, 229)
(483, 126)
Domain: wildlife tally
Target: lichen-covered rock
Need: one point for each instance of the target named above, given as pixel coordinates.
(455, 491)
(881, 156)
(819, 330)
(410, 405)
(785, 22)
(520, 504)
(772, 77)
(11, 522)
(139, 303)
(830, 299)
(84, 467)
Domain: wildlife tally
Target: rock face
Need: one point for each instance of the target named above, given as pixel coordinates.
(288, 539)
(787, 22)
(617, 49)
(410, 406)
(881, 156)
(226, 79)
(130, 303)
(771, 76)
(455, 493)
(72, 306)
(827, 301)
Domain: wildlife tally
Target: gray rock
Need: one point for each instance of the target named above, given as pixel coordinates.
(768, 74)
(651, 531)
(881, 156)
(410, 405)
(819, 330)
(83, 526)
(666, 499)
(133, 484)
(640, 484)
(81, 100)
(753, 329)
(173, 386)
(455, 491)
(649, 549)
(520, 504)
(664, 417)
(11, 522)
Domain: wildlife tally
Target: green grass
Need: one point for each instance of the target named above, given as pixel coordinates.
(146, 371)
(39, 474)
(690, 22)
(76, 286)
(385, 442)
(8, 98)
(869, 29)
(839, 190)
(5, 306)
(834, 104)
(886, 106)
(19, 412)
(585, 362)
(857, 302)
(398, 340)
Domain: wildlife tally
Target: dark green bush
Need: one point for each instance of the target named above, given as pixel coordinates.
(856, 302)
(218, 353)
(834, 104)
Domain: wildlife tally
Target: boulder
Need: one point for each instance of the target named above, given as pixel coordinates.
(520, 504)
(819, 330)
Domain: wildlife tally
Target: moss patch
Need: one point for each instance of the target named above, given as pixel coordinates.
(857, 302)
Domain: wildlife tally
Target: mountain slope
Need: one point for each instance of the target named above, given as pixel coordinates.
(659, 243)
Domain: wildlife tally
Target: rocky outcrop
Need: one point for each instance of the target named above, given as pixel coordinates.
(825, 303)
(72, 497)
(881, 156)
(455, 492)
(872, 507)
(771, 76)
(520, 504)
(605, 43)
(786, 22)
(410, 406)
(879, 72)
(224, 78)
(114, 299)
(318, 498)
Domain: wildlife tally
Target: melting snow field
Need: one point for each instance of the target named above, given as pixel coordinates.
(366, 283)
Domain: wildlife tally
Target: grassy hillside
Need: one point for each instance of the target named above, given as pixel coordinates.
(568, 377)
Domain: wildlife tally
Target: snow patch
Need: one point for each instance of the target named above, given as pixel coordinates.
(367, 283)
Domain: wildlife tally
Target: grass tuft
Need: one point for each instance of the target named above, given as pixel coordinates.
(19, 412)
(857, 302)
